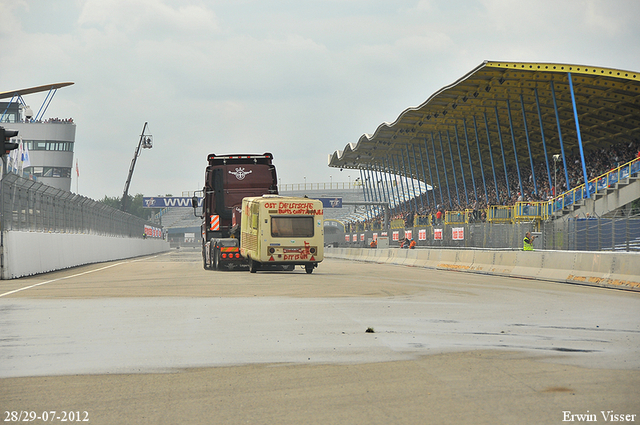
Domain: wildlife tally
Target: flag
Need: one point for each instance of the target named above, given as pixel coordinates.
(77, 170)
(26, 161)
(13, 161)
(18, 164)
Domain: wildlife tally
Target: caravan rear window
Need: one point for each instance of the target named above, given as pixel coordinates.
(292, 227)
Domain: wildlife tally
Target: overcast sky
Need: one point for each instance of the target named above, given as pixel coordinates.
(298, 78)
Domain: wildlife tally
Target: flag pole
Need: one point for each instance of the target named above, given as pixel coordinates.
(77, 176)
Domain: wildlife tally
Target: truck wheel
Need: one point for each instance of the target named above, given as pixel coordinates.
(308, 268)
(253, 266)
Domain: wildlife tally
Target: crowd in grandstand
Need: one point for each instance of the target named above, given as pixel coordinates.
(598, 162)
(52, 120)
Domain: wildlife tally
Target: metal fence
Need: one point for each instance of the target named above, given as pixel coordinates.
(598, 184)
(620, 232)
(467, 235)
(26, 205)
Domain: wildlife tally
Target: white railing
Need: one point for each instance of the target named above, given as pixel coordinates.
(293, 187)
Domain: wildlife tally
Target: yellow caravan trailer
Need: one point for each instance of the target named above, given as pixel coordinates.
(280, 232)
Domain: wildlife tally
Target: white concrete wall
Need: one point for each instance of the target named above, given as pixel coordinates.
(28, 253)
(608, 269)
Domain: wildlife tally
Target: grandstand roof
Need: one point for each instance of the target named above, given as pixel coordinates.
(493, 96)
(31, 90)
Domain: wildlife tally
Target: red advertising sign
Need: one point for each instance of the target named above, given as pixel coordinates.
(408, 234)
(437, 234)
(347, 238)
(293, 207)
(457, 233)
(422, 234)
(396, 236)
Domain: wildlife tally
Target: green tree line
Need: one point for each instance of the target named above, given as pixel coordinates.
(134, 205)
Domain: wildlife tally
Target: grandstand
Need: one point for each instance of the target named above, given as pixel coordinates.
(534, 146)
(505, 133)
(182, 227)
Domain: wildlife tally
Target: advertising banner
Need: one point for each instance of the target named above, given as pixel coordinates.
(331, 202)
(437, 234)
(457, 233)
(422, 234)
(153, 232)
(168, 201)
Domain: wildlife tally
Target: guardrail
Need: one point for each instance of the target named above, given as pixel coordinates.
(595, 185)
(293, 187)
(454, 217)
(499, 214)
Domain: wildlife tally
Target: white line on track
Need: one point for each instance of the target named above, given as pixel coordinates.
(75, 275)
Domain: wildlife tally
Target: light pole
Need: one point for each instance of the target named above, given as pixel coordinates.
(555, 174)
(305, 182)
(331, 184)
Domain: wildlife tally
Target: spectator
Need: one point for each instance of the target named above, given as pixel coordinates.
(528, 242)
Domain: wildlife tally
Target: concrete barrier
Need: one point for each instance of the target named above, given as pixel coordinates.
(607, 269)
(559, 265)
(28, 253)
(526, 264)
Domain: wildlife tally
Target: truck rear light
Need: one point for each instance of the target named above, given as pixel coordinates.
(312, 250)
(271, 250)
(224, 255)
(237, 255)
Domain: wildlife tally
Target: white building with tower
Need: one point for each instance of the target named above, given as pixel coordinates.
(48, 141)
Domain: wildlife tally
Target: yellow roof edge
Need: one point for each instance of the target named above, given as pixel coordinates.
(563, 67)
